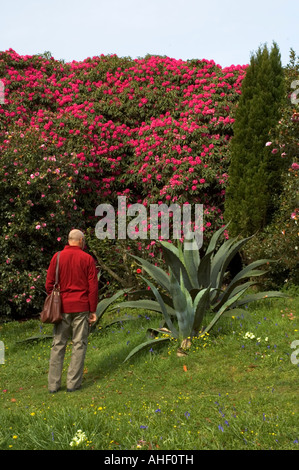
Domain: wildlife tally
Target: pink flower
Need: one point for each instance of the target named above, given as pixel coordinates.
(268, 144)
(38, 227)
(295, 166)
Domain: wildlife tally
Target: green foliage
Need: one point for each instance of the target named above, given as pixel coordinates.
(38, 207)
(154, 130)
(194, 288)
(254, 173)
(280, 239)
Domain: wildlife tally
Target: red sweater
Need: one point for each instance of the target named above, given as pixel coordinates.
(77, 278)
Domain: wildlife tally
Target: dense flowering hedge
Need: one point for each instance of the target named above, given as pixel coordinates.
(74, 135)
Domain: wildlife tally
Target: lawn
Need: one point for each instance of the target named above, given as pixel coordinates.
(237, 389)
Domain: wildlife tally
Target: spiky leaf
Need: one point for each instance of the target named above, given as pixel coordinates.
(204, 271)
(192, 260)
(180, 306)
(144, 304)
(142, 346)
(201, 307)
(172, 257)
(163, 308)
(156, 273)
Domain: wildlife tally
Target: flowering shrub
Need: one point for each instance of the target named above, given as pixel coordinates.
(37, 208)
(155, 130)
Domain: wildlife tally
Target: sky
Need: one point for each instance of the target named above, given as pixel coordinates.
(226, 31)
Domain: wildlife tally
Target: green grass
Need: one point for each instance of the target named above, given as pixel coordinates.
(228, 393)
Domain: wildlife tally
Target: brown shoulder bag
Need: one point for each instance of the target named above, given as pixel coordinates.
(52, 307)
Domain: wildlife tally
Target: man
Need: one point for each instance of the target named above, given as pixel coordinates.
(79, 296)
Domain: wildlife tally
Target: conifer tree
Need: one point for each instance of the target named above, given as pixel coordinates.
(254, 171)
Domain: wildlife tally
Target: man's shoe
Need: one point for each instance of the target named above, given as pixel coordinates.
(54, 391)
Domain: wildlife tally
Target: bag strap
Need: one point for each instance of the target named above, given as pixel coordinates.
(57, 269)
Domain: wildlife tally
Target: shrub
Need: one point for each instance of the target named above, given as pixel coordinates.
(38, 206)
(153, 129)
(279, 240)
(254, 173)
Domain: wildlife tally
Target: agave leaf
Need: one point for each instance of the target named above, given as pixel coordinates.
(236, 312)
(189, 301)
(228, 251)
(144, 304)
(214, 240)
(192, 261)
(181, 253)
(218, 260)
(201, 306)
(144, 294)
(145, 345)
(158, 331)
(39, 337)
(105, 303)
(163, 308)
(118, 320)
(226, 295)
(232, 289)
(245, 272)
(172, 258)
(260, 296)
(155, 272)
(181, 307)
(229, 302)
(204, 270)
(230, 255)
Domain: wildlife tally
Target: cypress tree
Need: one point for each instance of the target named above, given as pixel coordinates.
(254, 171)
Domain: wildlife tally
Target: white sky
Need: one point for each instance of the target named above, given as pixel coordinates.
(226, 31)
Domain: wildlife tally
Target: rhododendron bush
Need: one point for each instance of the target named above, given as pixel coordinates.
(75, 135)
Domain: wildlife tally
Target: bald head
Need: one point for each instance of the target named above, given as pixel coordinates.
(76, 238)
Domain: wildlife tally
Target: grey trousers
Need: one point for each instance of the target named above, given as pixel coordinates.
(76, 326)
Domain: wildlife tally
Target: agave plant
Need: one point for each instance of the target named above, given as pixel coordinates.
(193, 287)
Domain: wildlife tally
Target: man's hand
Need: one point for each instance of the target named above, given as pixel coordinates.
(92, 318)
